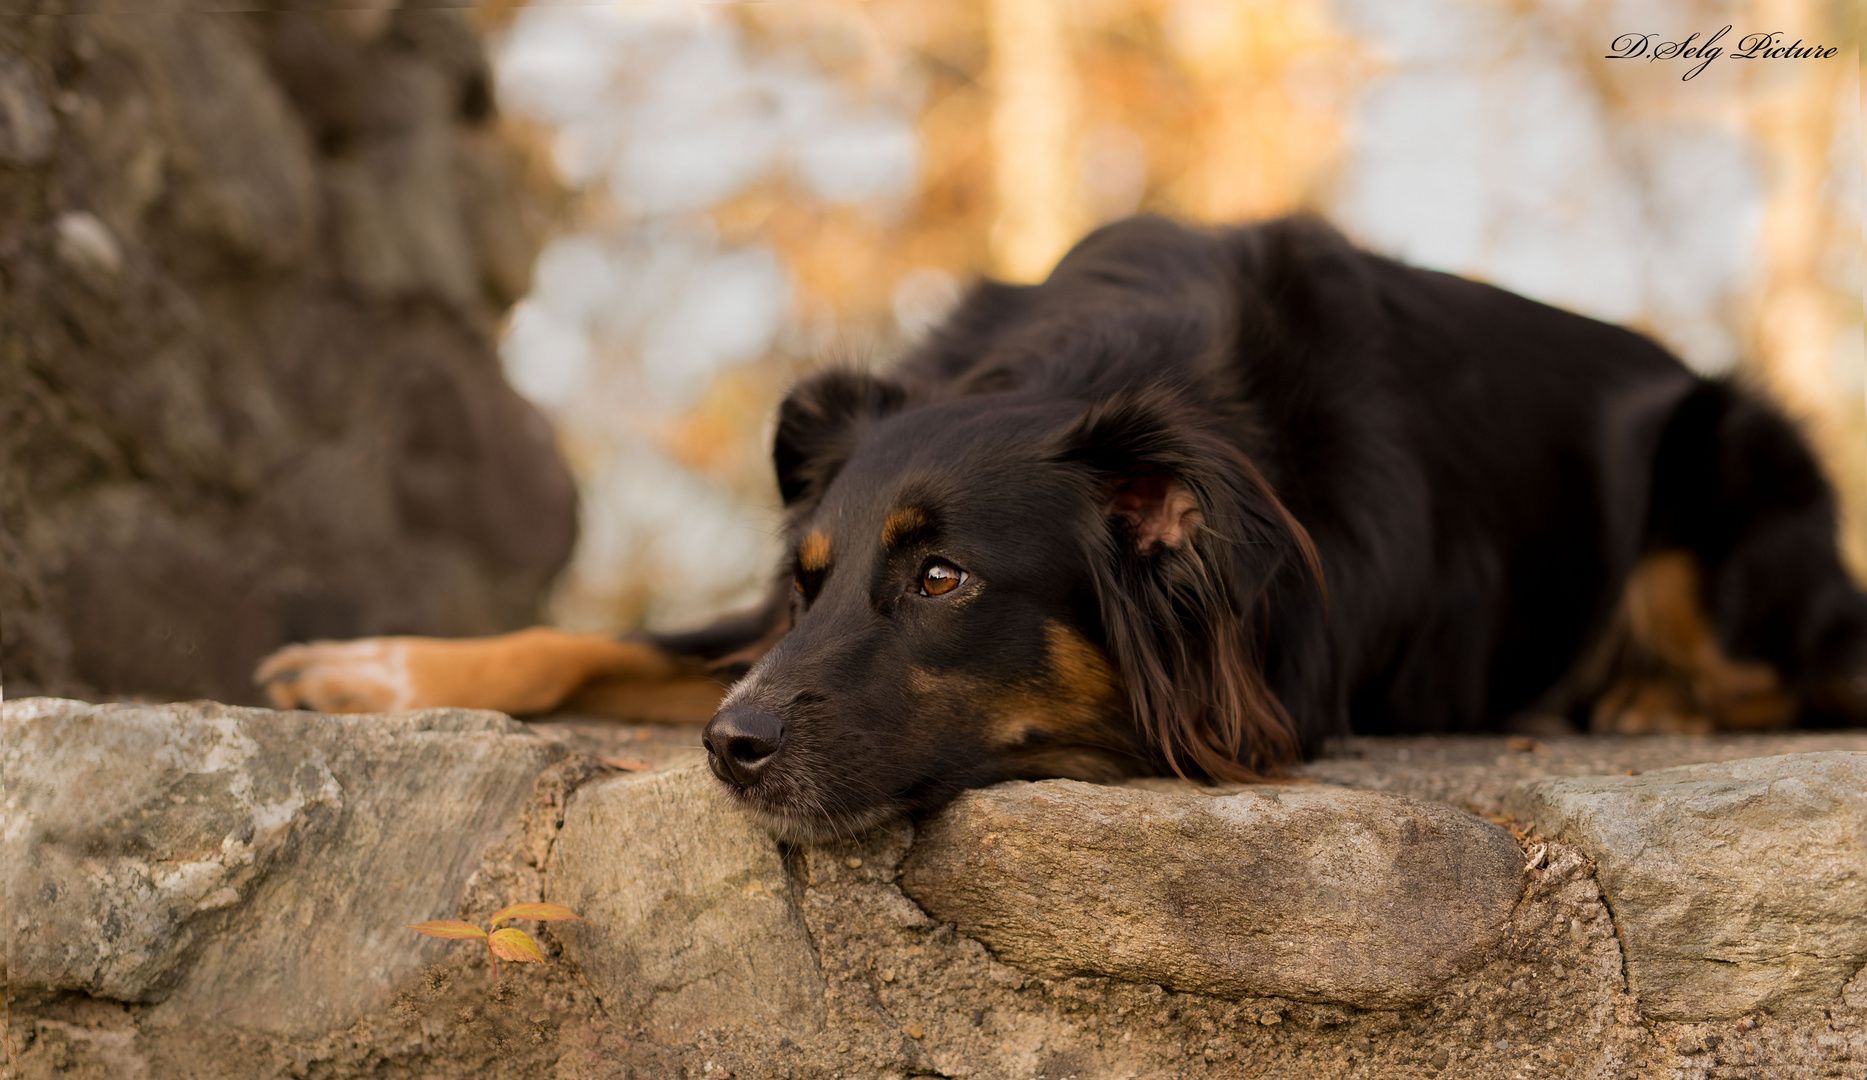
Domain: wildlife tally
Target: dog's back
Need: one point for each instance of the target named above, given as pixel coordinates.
(1491, 483)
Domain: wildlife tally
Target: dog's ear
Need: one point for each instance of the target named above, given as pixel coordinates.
(1158, 508)
(818, 426)
(1188, 543)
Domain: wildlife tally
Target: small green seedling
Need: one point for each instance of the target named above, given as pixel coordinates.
(509, 943)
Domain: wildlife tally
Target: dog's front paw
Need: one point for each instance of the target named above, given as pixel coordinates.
(369, 675)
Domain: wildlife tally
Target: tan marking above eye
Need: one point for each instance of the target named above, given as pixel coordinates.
(901, 523)
(941, 578)
(813, 552)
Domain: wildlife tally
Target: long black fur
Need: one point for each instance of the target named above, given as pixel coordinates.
(1418, 500)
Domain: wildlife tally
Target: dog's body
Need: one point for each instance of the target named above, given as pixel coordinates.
(1204, 499)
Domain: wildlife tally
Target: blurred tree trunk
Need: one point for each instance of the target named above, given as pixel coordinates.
(1033, 137)
(1796, 113)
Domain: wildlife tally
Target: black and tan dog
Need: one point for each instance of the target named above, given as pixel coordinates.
(1198, 502)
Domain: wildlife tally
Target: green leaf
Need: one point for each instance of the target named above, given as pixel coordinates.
(513, 944)
(541, 912)
(448, 928)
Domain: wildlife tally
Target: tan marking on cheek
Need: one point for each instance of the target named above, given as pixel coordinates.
(1665, 669)
(927, 682)
(1077, 703)
(1078, 669)
(1089, 764)
(813, 553)
(901, 523)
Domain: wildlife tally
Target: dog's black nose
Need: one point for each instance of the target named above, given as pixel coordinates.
(741, 741)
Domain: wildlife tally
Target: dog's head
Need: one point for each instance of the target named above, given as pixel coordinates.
(997, 587)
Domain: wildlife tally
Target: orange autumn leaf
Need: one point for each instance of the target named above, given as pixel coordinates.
(504, 944)
(541, 912)
(513, 944)
(448, 928)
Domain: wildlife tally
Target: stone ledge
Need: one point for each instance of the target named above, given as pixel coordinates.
(1735, 886)
(688, 915)
(712, 951)
(249, 867)
(1307, 892)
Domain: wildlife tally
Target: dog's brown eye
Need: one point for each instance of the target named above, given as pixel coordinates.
(940, 579)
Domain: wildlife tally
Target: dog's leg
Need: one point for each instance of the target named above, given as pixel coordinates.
(648, 678)
(530, 671)
(1670, 675)
(714, 657)
(1755, 590)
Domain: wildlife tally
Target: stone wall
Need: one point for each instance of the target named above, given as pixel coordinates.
(237, 910)
(250, 268)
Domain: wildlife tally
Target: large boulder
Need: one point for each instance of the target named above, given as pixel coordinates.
(1307, 892)
(254, 262)
(1735, 886)
(689, 920)
(251, 868)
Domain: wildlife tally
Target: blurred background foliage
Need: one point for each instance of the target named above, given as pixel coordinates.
(754, 190)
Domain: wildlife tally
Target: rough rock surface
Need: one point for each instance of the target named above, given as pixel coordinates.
(1299, 891)
(252, 867)
(899, 993)
(1478, 772)
(250, 266)
(688, 913)
(1735, 886)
